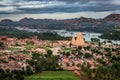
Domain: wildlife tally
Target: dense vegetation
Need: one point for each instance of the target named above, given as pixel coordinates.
(12, 32)
(46, 62)
(114, 35)
(108, 70)
(103, 73)
(13, 75)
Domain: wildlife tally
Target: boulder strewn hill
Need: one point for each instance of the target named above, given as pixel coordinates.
(113, 17)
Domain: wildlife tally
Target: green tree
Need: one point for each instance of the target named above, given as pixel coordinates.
(49, 53)
(1, 44)
(95, 40)
(38, 68)
(88, 55)
(29, 71)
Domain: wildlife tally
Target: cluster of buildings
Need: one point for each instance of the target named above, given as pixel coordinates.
(73, 62)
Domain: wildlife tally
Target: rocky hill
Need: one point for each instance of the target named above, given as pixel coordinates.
(81, 23)
(113, 18)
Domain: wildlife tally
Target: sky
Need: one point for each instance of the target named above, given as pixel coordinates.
(57, 9)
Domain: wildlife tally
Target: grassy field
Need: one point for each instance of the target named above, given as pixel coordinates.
(47, 47)
(68, 49)
(29, 46)
(14, 49)
(53, 75)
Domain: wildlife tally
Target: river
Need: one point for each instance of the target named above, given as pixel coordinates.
(86, 35)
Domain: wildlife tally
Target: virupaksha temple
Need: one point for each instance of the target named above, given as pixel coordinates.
(78, 41)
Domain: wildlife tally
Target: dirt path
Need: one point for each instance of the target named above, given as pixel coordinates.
(79, 74)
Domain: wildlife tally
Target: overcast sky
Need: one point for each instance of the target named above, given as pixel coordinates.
(57, 9)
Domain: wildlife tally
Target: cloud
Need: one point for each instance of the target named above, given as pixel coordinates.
(54, 6)
(116, 2)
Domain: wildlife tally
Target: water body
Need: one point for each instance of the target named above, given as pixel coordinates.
(86, 35)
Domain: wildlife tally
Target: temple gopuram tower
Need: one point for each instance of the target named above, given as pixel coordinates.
(73, 42)
(79, 41)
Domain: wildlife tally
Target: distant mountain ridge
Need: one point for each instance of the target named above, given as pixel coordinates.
(113, 17)
(69, 24)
